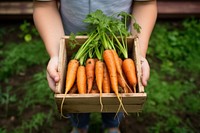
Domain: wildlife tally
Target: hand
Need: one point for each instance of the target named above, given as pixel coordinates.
(145, 71)
(52, 73)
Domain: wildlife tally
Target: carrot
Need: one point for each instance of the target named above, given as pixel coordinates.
(81, 80)
(95, 60)
(94, 91)
(99, 78)
(129, 69)
(90, 70)
(72, 68)
(119, 70)
(74, 89)
(122, 84)
(106, 80)
(94, 88)
(110, 63)
(120, 61)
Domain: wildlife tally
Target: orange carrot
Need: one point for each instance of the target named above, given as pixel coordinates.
(94, 88)
(120, 80)
(90, 70)
(122, 84)
(81, 80)
(106, 80)
(119, 70)
(74, 89)
(129, 69)
(99, 78)
(110, 63)
(94, 91)
(72, 68)
(95, 60)
(120, 61)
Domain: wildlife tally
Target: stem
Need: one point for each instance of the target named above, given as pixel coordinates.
(83, 49)
(122, 49)
(81, 60)
(99, 53)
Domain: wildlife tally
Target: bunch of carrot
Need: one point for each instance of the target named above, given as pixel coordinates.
(101, 64)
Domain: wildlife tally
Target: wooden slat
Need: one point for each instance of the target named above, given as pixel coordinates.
(16, 8)
(62, 66)
(133, 102)
(178, 9)
(137, 58)
(97, 108)
(93, 99)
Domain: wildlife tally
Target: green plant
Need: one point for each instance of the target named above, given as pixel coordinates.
(28, 31)
(172, 89)
(36, 92)
(18, 57)
(2, 130)
(36, 123)
(6, 98)
(176, 47)
(17, 60)
(95, 123)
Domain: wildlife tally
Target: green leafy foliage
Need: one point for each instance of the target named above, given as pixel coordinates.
(22, 55)
(173, 88)
(72, 41)
(2, 130)
(6, 99)
(95, 123)
(28, 31)
(35, 123)
(17, 60)
(176, 48)
(37, 92)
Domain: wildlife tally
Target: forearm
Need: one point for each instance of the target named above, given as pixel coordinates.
(145, 14)
(48, 23)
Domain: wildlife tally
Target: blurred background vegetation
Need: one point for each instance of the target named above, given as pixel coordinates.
(173, 105)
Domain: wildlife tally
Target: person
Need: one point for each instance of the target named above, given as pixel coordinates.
(54, 19)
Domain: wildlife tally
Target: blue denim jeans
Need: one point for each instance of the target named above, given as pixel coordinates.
(81, 120)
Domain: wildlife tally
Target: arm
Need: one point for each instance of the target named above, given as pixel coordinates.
(49, 25)
(145, 14)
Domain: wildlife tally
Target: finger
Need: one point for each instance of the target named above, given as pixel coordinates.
(145, 77)
(145, 72)
(51, 83)
(53, 73)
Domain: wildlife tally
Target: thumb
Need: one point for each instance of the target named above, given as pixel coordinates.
(52, 83)
(52, 73)
(52, 70)
(145, 71)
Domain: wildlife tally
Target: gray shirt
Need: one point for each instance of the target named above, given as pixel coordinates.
(74, 11)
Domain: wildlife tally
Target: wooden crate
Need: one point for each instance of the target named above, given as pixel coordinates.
(83, 103)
